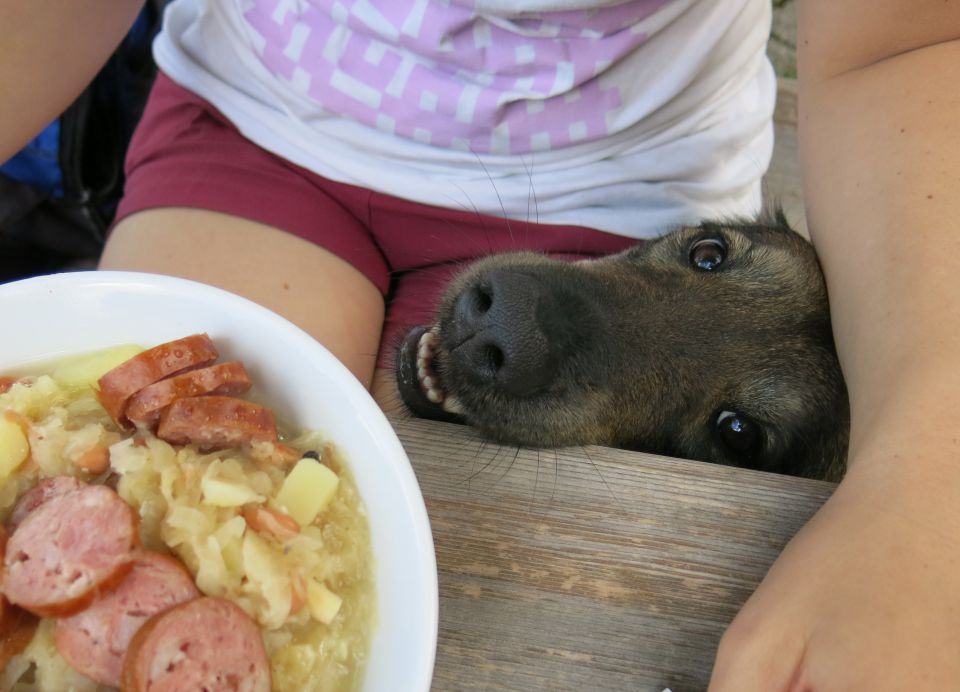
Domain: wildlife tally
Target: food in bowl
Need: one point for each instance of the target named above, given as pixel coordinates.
(173, 500)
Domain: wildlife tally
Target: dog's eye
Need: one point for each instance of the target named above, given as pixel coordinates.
(738, 432)
(708, 253)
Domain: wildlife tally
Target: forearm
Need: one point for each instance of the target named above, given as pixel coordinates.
(49, 51)
(865, 595)
(881, 157)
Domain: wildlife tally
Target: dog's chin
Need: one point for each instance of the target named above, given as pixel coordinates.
(418, 383)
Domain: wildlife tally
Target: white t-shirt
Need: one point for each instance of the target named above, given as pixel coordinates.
(630, 117)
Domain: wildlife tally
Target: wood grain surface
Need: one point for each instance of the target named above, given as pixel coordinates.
(591, 568)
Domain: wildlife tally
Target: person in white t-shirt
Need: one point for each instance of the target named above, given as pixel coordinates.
(866, 595)
(402, 137)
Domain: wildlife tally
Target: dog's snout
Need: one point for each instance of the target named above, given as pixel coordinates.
(497, 333)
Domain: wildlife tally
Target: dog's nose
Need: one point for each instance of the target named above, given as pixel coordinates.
(500, 331)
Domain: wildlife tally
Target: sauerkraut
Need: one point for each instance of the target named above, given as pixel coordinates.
(289, 582)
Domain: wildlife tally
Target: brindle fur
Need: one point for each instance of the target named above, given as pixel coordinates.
(643, 350)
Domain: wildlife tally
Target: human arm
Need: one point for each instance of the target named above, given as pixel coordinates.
(867, 595)
(49, 51)
(313, 288)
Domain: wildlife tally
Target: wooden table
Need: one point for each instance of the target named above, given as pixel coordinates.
(591, 568)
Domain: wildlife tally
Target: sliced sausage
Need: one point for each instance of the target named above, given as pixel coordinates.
(228, 378)
(152, 365)
(95, 640)
(17, 626)
(216, 422)
(44, 491)
(204, 644)
(69, 550)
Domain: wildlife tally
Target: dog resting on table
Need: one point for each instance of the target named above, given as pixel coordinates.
(711, 343)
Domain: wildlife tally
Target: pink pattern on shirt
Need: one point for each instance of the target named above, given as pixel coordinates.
(441, 74)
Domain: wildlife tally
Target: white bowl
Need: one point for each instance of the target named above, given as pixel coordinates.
(49, 317)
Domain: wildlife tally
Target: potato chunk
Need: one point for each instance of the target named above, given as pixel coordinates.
(221, 493)
(14, 447)
(84, 370)
(307, 490)
(322, 602)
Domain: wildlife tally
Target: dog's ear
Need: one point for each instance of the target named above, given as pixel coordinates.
(780, 219)
(774, 218)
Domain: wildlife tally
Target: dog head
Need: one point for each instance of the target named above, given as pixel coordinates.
(711, 343)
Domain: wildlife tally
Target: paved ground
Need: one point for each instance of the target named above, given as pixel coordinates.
(781, 185)
(783, 44)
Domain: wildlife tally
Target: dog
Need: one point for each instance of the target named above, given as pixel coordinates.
(710, 343)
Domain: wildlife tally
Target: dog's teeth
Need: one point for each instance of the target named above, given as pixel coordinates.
(428, 340)
(429, 383)
(452, 405)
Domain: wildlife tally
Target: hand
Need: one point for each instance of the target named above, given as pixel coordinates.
(865, 597)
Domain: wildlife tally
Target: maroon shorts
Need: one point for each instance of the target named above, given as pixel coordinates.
(186, 154)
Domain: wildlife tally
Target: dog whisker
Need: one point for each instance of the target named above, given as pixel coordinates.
(475, 472)
(599, 473)
(507, 469)
(547, 502)
(476, 211)
(556, 477)
(499, 199)
(536, 478)
(532, 192)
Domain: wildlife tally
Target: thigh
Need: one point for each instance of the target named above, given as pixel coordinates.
(309, 285)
